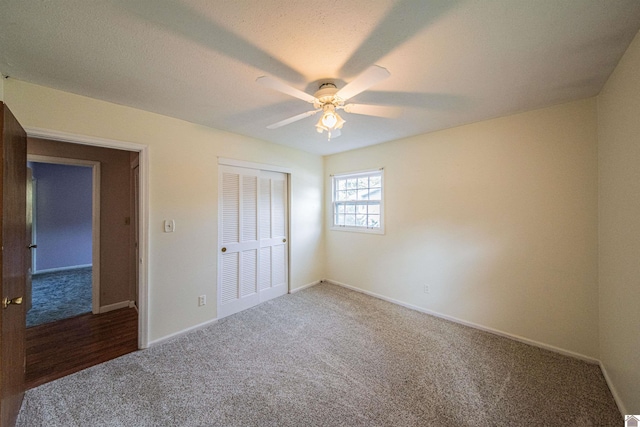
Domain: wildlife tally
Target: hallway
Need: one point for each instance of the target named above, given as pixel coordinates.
(57, 349)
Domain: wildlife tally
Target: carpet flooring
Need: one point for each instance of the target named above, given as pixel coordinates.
(59, 295)
(328, 356)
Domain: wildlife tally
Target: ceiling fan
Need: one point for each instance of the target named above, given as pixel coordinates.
(329, 99)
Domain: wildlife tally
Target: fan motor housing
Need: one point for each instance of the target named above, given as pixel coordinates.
(326, 95)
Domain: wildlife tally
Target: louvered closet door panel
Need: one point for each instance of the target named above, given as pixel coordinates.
(249, 208)
(249, 268)
(265, 268)
(265, 208)
(279, 207)
(230, 267)
(239, 244)
(230, 207)
(273, 215)
(279, 274)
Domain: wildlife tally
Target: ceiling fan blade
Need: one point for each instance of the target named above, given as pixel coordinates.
(292, 119)
(373, 110)
(369, 77)
(280, 86)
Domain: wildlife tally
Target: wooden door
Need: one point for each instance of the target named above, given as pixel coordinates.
(14, 253)
(28, 294)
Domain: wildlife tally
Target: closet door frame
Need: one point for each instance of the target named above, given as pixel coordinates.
(257, 167)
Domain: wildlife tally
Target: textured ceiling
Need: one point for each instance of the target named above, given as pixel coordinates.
(452, 62)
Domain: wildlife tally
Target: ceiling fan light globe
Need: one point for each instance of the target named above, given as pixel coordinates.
(320, 126)
(329, 120)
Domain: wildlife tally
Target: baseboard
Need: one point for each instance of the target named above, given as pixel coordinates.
(210, 322)
(473, 325)
(308, 285)
(180, 333)
(115, 306)
(55, 270)
(614, 391)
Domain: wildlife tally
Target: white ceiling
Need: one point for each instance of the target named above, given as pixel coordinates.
(452, 62)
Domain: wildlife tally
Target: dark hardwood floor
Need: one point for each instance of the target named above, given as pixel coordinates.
(67, 346)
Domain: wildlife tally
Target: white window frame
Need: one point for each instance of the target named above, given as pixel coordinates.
(334, 203)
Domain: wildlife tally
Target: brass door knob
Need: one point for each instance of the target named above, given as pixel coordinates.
(224, 249)
(6, 302)
(284, 240)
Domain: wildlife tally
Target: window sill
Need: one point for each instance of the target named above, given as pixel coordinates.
(358, 229)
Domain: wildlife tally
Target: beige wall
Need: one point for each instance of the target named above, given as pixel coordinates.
(499, 218)
(183, 186)
(619, 246)
(115, 196)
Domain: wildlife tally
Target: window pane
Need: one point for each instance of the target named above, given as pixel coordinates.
(350, 209)
(352, 183)
(342, 195)
(342, 184)
(374, 221)
(339, 220)
(363, 182)
(375, 181)
(374, 209)
(340, 208)
(375, 194)
(361, 209)
(361, 220)
(349, 220)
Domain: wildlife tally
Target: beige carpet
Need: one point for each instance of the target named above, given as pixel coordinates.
(327, 356)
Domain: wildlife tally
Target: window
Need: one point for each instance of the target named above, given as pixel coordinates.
(357, 200)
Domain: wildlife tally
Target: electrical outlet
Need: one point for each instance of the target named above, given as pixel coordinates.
(426, 289)
(202, 300)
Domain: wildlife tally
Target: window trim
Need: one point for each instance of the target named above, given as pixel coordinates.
(356, 174)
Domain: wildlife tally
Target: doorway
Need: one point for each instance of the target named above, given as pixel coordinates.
(112, 326)
(65, 267)
(142, 153)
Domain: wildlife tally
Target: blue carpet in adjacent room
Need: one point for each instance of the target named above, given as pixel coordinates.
(60, 295)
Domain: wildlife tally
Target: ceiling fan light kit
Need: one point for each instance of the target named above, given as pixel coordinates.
(328, 99)
(330, 120)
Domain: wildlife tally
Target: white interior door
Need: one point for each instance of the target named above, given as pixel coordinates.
(273, 235)
(253, 256)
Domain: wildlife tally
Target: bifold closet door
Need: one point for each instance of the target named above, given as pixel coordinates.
(252, 262)
(273, 235)
(239, 246)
